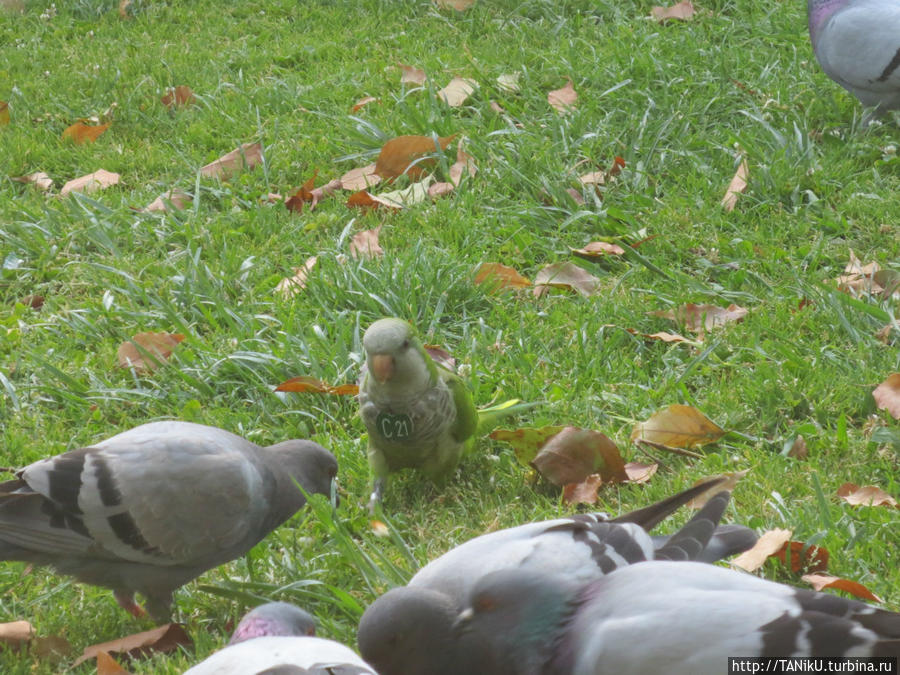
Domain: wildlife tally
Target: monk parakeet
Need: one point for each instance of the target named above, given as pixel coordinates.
(418, 414)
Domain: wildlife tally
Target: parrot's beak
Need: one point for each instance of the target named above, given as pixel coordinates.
(382, 367)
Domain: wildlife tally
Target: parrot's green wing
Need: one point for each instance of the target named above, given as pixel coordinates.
(466, 422)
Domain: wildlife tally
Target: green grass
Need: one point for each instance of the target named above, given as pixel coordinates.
(664, 98)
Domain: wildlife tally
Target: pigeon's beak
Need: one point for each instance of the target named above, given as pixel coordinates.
(461, 624)
(382, 367)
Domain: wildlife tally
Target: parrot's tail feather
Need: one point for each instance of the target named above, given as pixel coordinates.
(490, 417)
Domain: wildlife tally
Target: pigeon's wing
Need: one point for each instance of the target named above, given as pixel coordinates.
(649, 517)
(683, 618)
(692, 539)
(165, 495)
(260, 654)
(859, 46)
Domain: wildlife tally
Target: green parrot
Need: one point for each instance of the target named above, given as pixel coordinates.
(418, 414)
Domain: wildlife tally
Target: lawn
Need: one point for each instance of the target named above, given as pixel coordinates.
(679, 102)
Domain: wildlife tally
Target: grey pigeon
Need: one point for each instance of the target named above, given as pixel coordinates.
(661, 617)
(586, 546)
(277, 639)
(156, 506)
(409, 630)
(857, 43)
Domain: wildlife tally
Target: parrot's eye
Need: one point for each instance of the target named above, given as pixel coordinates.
(405, 344)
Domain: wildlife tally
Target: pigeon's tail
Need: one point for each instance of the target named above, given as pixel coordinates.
(651, 516)
(489, 418)
(690, 542)
(728, 540)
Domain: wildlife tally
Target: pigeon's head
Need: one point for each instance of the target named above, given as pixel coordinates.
(274, 618)
(409, 630)
(523, 612)
(393, 353)
(303, 463)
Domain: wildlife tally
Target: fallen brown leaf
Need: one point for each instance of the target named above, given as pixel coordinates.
(364, 199)
(563, 99)
(767, 545)
(737, 185)
(306, 384)
(525, 441)
(303, 194)
(408, 155)
(683, 11)
(700, 318)
(361, 103)
(146, 352)
(177, 199)
(39, 179)
(597, 249)
(16, 633)
(868, 495)
(566, 275)
(457, 91)
(574, 454)
(290, 286)
(360, 179)
(802, 557)
(80, 132)
(677, 426)
(33, 301)
(584, 492)
(662, 336)
(415, 193)
(245, 157)
(4, 113)
(440, 189)
(458, 5)
(499, 277)
(887, 395)
(463, 165)
(820, 582)
(99, 180)
(160, 640)
(178, 97)
(365, 244)
(798, 449)
(123, 9)
(107, 665)
(411, 75)
(640, 473)
(441, 357)
(509, 82)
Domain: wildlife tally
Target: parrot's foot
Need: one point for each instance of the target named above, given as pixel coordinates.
(376, 496)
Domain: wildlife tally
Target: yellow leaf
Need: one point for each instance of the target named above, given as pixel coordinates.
(677, 426)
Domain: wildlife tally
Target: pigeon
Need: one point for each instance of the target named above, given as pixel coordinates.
(417, 413)
(661, 617)
(156, 506)
(585, 546)
(409, 630)
(278, 638)
(857, 43)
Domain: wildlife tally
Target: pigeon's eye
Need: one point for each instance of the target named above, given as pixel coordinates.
(405, 344)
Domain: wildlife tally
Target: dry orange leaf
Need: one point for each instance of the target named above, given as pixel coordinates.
(177, 199)
(290, 286)
(360, 179)
(411, 75)
(640, 473)
(306, 384)
(123, 9)
(365, 244)
(179, 96)
(802, 557)
(820, 582)
(868, 495)
(768, 544)
(363, 199)
(887, 395)
(107, 665)
(379, 529)
(39, 179)
(677, 426)
(574, 454)
(598, 249)
(683, 11)
(160, 640)
(737, 185)
(15, 633)
(99, 180)
(566, 275)
(699, 318)
(303, 194)
(361, 103)
(464, 164)
(245, 157)
(458, 5)
(80, 132)
(662, 336)
(440, 189)
(584, 492)
(4, 113)
(563, 99)
(499, 277)
(408, 154)
(457, 91)
(146, 352)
